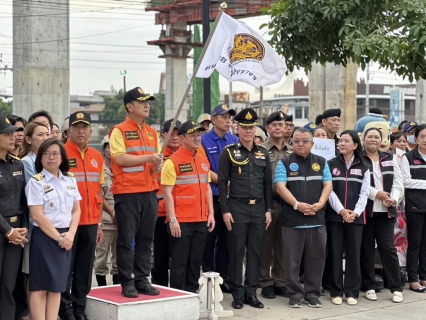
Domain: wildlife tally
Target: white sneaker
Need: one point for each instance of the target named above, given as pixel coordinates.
(371, 295)
(397, 297)
(337, 300)
(351, 301)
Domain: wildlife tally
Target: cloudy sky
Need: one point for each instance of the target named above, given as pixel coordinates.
(107, 36)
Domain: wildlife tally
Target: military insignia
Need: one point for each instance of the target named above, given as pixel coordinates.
(316, 167)
(224, 107)
(193, 123)
(94, 163)
(411, 123)
(281, 115)
(51, 204)
(239, 170)
(70, 187)
(150, 137)
(140, 91)
(248, 116)
(47, 189)
(294, 166)
(70, 174)
(17, 173)
(7, 120)
(14, 157)
(80, 115)
(38, 176)
(246, 46)
(259, 154)
(204, 166)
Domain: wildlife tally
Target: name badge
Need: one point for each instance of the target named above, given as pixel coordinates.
(387, 163)
(73, 163)
(131, 135)
(186, 167)
(356, 172)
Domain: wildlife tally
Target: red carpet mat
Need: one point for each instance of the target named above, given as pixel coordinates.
(113, 294)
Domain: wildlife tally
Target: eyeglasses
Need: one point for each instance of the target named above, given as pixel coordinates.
(304, 142)
(289, 125)
(50, 154)
(280, 125)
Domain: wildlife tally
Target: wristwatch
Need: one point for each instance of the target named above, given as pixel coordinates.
(60, 239)
(173, 220)
(295, 205)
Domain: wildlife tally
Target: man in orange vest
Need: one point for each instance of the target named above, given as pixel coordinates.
(189, 205)
(135, 166)
(160, 270)
(86, 164)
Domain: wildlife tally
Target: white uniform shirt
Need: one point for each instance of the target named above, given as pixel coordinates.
(56, 195)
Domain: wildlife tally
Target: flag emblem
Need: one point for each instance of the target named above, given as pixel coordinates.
(246, 46)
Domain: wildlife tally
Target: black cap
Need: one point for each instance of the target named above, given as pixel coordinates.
(376, 111)
(6, 127)
(275, 116)
(136, 94)
(79, 116)
(222, 109)
(289, 117)
(189, 127)
(318, 119)
(166, 125)
(409, 126)
(246, 117)
(331, 113)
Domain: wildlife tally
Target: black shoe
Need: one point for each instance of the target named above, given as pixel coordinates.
(253, 302)
(225, 286)
(129, 292)
(281, 291)
(101, 280)
(313, 302)
(81, 316)
(237, 303)
(295, 303)
(147, 289)
(115, 279)
(268, 292)
(68, 317)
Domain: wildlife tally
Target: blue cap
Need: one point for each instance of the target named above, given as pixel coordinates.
(310, 126)
(222, 109)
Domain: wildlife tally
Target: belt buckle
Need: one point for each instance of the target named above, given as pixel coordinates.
(14, 219)
(252, 201)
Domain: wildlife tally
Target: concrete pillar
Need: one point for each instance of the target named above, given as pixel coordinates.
(176, 77)
(349, 116)
(421, 101)
(41, 73)
(316, 91)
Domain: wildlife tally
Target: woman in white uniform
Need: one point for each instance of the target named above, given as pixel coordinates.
(54, 203)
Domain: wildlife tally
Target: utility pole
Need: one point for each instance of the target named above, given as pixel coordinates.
(5, 68)
(367, 90)
(206, 32)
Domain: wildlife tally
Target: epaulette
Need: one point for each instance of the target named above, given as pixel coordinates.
(263, 147)
(38, 176)
(14, 157)
(231, 145)
(70, 174)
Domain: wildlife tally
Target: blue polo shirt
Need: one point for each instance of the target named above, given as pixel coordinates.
(213, 145)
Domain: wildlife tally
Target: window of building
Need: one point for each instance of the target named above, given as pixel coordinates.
(298, 114)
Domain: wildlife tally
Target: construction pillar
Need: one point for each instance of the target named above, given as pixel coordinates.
(41, 72)
(420, 110)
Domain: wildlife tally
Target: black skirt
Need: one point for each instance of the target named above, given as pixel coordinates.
(49, 263)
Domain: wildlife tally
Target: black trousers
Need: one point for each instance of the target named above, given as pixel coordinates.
(187, 255)
(20, 293)
(79, 283)
(215, 257)
(10, 257)
(380, 228)
(347, 237)
(416, 252)
(308, 243)
(160, 271)
(248, 231)
(136, 215)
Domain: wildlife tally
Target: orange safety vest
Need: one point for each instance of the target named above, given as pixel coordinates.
(138, 141)
(88, 173)
(190, 190)
(160, 195)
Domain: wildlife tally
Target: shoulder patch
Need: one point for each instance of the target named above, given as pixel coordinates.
(14, 157)
(38, 176)
(70, 174)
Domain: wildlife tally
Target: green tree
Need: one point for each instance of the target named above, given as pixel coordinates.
(5, 108)
(389, 32)
(112, 106)
(156, 114)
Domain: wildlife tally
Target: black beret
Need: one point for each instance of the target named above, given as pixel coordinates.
(289, 117)
(318, 119)
(275, 116)
(246, 117)
(331, 113)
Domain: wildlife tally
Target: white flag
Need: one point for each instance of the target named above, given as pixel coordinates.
(240, 54)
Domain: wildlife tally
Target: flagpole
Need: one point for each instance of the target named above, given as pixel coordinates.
(222, 9)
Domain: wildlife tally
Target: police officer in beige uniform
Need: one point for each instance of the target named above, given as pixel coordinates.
(272, 263)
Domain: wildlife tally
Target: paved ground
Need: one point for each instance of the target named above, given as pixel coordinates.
(383, 309)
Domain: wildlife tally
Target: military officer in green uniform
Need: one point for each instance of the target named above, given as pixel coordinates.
(247, 210)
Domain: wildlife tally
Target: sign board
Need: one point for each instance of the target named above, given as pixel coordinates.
(324, 148)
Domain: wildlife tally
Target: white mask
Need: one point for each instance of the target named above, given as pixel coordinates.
(411, 140)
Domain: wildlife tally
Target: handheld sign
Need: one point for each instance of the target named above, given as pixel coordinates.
(324, 148)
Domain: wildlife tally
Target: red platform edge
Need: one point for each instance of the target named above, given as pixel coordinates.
(112, 294)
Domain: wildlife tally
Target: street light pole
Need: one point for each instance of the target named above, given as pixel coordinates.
(123, 73)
